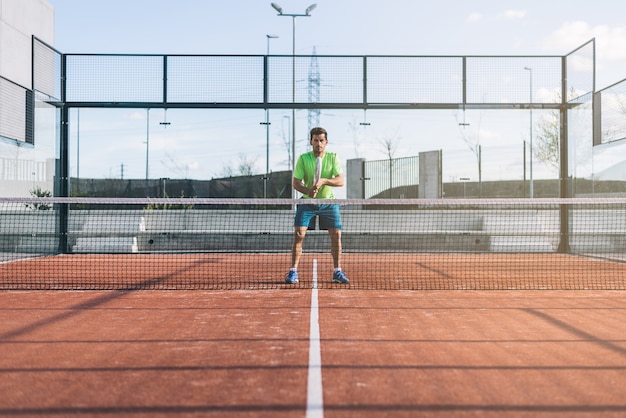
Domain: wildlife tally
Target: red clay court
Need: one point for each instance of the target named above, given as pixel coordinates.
(318, 349)
(419, 271)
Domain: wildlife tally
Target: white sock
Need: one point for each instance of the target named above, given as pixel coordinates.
(338, 269)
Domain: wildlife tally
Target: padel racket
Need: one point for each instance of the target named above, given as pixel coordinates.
(318, 170)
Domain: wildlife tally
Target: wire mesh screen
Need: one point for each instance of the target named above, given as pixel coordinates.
(341, 80)
(46, 71)
(580, 71)
(414, 79)
(15, 111)
(225, 79)
(507, 79)
(114, 78)
(341, 83)
(610, 110)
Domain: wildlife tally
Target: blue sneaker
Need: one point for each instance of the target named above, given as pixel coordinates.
(292, 277)
(340, 277)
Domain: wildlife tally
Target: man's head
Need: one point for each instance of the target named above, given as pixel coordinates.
(319, 140)
(319, 131)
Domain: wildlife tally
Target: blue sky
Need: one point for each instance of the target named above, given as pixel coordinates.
(359, 27)
(338, 27)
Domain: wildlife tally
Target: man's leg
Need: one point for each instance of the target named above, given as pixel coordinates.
(335, 246)
(299, 232)
(301, 222)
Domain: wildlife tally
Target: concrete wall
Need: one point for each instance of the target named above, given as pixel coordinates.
(430, 175)
(24, 167)
(19, 20)
(354, 178)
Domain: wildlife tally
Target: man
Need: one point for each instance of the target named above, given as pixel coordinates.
(329, 217)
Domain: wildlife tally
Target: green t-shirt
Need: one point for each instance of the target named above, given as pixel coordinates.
(305, 170)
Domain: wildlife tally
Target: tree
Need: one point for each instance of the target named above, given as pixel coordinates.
(546, 147)
(390, 145)
(472, 140)
(245, 167)
(470, 137)
(171, 163)
(358, 135)
(547, 138)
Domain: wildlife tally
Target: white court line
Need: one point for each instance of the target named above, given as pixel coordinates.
(315, 395)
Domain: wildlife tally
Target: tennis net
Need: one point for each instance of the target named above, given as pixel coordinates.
(104, 243)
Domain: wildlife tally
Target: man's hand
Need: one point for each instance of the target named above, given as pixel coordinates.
(316, 187)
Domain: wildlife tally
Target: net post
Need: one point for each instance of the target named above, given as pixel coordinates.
(565, 190)
(63, 182)
(564, 212)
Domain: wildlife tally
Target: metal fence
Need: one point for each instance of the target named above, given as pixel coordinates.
(391, 178)
(16, 112)
(610, 114)
(258, 81)
(377, 82)
(47, 72)
(265, 81)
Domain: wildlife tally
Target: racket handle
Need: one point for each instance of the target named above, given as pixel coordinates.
(318, 169)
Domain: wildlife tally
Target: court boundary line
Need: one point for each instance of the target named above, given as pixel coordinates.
(315, 394)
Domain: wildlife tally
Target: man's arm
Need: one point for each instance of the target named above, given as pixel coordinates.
(336, 181)
(298, 184)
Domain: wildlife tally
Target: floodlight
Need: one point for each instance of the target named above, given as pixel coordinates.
(277, 8)
(310, 8)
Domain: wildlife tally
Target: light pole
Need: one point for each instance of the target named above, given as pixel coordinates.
(267, 128)
(147, 143)
(530, 72)
(78, 144)
(307, 13)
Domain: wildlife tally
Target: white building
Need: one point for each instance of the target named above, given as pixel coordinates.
(25, 163)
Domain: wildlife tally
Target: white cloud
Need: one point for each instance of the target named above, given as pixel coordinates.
(474, 17)
(137, 115)
(610, 47)
(569, 35)
(610, 42)
(506, 15)
(512, 14)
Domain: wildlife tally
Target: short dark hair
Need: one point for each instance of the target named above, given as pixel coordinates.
(318, 131)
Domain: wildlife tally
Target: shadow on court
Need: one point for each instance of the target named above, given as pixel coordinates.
(245, 353)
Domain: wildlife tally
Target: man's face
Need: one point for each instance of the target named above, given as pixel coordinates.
(319, 142)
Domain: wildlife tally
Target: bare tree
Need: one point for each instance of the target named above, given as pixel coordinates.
(390, 145)
(286, 136)
(546, 146)
(471, 137)
(358, 135)
(173, 165)
(246, 166)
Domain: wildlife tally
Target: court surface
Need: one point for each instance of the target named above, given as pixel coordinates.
(229, 271)
(296, 352)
